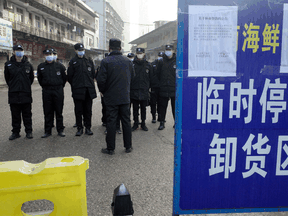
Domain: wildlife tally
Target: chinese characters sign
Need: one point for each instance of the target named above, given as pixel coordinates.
(5, 34)
(231, 152)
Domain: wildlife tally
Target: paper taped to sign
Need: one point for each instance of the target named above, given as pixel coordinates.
(212, 41)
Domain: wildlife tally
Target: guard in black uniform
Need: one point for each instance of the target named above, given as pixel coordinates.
(154, 93)
(81, 74)
(52, 78)
(19, 77)
(140, 88)
(131, 56)
(114, 80)
(166, 73)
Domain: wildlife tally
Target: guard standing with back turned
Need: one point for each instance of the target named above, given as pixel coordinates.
(52, 78)
(81, 75)
(114, 81)
(19, 77)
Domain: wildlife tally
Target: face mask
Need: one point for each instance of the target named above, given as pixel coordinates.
(49, 58)
(131, 59)
(81, 53)
(168, 53)
(159, 58)
(140, 56)
(55, 57)
(19, 54)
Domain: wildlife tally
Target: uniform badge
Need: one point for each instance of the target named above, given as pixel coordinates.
(174, 66)
(41, 68)
(89, 68)
(9, 65)
(74, 62)
(147, 71)
(58, 73)
(27, 71)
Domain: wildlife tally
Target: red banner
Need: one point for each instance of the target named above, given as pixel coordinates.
(35, 50)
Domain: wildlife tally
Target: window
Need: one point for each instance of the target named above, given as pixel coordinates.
(37, 22)
(63, 31)
(30, 19)
(20, 15)
(61, 5)
(51, 26)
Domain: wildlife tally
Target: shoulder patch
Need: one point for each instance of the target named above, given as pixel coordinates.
(41, 68)
(9, 65)
(74, 62)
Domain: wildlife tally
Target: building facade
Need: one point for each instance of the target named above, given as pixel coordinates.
(110, 23)
(155, 41)
(40, 24)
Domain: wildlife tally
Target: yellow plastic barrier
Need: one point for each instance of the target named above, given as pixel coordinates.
(59, 180)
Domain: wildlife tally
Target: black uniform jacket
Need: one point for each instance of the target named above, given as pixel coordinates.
(19, 76)
(114, 78)
(141, 81)
(51, 74)
(81, 75)
(155, 81)
(166, 72)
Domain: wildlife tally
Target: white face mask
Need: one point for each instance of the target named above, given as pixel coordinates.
(140, 56)
(168, 53)
(159, 58)
(55, 57)
(131, 59)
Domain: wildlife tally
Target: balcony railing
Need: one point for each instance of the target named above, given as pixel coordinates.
(65, 13)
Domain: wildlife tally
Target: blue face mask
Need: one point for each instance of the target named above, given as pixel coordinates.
(19, 54)
(49, 58)
(168, 53)
(159, 58)
(54, 58)
(81, 53)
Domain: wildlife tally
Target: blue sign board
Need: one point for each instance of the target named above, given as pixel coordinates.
(231, 142)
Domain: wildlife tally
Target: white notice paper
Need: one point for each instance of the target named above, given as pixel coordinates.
(212, 41)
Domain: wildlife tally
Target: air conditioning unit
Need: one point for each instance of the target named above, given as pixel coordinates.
(74, 30)
(8, 5)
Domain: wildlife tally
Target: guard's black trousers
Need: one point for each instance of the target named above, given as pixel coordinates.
(154, 95)
(83, 108)
(104, 117)
(124, 113)
(53, 101)
(163, 104)
(16, 111)
(135, 104)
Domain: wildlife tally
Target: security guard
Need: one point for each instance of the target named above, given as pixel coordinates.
(114, 80)
(166, 73)
(154, 94)
(140, 85)
(52, 78)
(81, 75)
(131, 56)
(19, 77)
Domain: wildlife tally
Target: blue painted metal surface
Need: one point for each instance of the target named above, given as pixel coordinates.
(236, 162)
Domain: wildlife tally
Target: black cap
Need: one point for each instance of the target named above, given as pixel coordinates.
(79, 46)
(114, 43)
(160, 54)
(168, 47)
(47, 51)
(18, 47)
(54, 51)
(130, 55)
(142, 50)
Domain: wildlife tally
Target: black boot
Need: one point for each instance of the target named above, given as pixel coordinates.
(135, 126)
(162, 126)
(88, 131)
(143, 126)
(79, 132)
(14, 136)
(153, 118)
